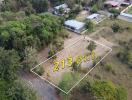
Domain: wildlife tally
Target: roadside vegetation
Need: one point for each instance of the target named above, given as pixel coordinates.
(11, 87)
(96, 90)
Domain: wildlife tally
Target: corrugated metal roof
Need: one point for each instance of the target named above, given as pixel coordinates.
(93, 16)
(61, 6)
(76, 24)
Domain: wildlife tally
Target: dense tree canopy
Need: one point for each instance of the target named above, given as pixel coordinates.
(35, 31)
(10, 87)
(102, 90)
(9, 65)
(18, 41)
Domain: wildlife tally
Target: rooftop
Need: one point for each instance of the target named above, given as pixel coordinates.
(113, 3)
(73, 23)
(64, 6)
(95, 15)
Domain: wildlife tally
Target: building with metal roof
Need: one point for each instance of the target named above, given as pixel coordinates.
(75, 26)
(64, 7)
(96, 18)
(95, 15)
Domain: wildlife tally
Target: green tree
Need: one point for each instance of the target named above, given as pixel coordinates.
(103, 90)
(61, 11)
(94, 9)
(3, 90)
(51, 53)
(76, 67)
(30, 59)
(9, 64)
(39, 70)
(40, 5)
(16, 91)
(115, 13)
(126, 57)
(91, 46)
(115, 27)
(89, 25)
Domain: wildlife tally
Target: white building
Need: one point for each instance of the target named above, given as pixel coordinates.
(93, 16)
(75, 26)
(64, 7)
(96, 18)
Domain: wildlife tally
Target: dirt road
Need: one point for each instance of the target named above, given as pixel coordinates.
(43, 89)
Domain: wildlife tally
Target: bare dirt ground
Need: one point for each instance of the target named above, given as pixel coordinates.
(82, 15)
(46, 91)
(73, 51)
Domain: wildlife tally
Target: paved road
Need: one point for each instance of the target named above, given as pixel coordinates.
(45, 90)
(125, 18)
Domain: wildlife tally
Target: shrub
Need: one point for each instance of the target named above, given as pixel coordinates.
(94, 9)
(115, 27)
(51, 53)
(126, 57)
(109, 67)
(39, 70)
(91, 46)
(61, 11)
(68, 81)
(114, 11)
(89, 25)
(103, 90)
(76, 67)
(64, 34)
(58, 44)
(121, 93)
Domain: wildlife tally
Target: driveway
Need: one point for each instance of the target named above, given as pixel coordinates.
(43, 89)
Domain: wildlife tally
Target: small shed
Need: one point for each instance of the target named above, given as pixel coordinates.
(75, 26)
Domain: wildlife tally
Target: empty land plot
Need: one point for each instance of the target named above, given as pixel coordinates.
(56, 69)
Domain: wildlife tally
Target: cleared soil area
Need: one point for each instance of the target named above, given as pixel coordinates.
(82, 15)
(73, 47)
(78, 48)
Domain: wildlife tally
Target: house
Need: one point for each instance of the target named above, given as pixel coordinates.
(61, 9)
(112, 3)
(93, 16)
(97, 18)
(75, 26)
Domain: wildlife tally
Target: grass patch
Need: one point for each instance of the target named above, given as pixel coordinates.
(68, 80)
(39, 70)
